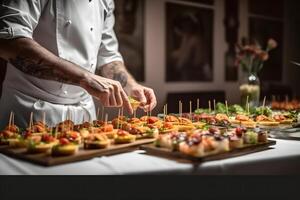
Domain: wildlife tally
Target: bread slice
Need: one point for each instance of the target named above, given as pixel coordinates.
(65, 150)
(268, 123)
(40, 148)
(96, 144)
(125, 139)
(193, 150)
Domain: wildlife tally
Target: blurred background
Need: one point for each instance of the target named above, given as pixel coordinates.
(186, 49)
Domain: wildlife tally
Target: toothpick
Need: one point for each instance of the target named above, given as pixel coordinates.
(164, 113)
(248, 109)
(181, 108)
(286, 98)
(197, 104)
(190, 109)
(51, 131)
(264, 102)
(70, 115)
(13, 118)
(44, 118)
(122, 111)
(214, 105)
(226, 107)
(247, 100)
(134, 113)
(56, 130)
(166, 109)
(106, 118)
(209, 106)
(63, 127)
(10, 117)
(118, 124)
(31, 121)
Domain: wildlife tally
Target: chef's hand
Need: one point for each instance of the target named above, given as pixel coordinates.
(142, 94)
(109, 92)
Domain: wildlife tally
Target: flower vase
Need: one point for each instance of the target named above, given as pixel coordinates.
(250, 89)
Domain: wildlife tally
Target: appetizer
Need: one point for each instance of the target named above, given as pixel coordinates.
(9, 135)
(167, 127)
(96, 141)
(266, 121)
(243, 120)
(124, 137)
(64, 148)
(41, 145)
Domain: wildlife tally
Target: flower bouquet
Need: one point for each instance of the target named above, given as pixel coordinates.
(251, 58)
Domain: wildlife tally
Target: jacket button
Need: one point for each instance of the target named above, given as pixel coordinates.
(68, 22)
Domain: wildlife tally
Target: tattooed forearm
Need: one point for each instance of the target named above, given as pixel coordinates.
(39, 69)
(29, 57)
(116, 71)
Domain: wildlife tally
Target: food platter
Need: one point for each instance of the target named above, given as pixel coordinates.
(151, 149)
(199, 135)
(82, 154)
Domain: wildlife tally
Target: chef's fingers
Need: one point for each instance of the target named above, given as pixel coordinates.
(126, 103)
(117, 89)
(104, 98)
(112, 98)
(151, 99)
(140, 96)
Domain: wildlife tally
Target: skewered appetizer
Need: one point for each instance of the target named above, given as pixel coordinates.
(96, 141)
(9, 135)
(171, 141)
(266, 121)
(236, 138)
(72, 136)
(243, 120)
(167, 127)
(108, 130)
(283, 119)
(124, 137)
(64, 148)
(286, 105)
(66, 125)
(43, 144)
(192, 146)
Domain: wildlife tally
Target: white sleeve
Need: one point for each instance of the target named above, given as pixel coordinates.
(109, 48)
(18, 18)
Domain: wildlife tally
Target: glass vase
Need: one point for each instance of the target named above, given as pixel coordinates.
(250, 89)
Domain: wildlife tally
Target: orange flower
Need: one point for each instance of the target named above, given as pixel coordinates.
(263, 56)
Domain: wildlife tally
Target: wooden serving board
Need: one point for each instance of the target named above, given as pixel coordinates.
(82, 154)
(167, 153)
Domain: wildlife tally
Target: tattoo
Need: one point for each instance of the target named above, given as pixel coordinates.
(39, 69)
(115, 71)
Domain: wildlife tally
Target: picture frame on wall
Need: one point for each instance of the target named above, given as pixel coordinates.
(129, 29)
(189, 43)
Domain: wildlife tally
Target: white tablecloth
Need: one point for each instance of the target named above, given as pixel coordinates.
(284, 158)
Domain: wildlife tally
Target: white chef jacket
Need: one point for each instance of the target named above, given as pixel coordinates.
(80, 31)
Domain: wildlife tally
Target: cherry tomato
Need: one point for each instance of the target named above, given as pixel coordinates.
(107, 128)
(64, 141)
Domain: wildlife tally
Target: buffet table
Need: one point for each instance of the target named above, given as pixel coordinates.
(283, 158)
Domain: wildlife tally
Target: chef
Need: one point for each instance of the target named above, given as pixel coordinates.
(60, 53)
